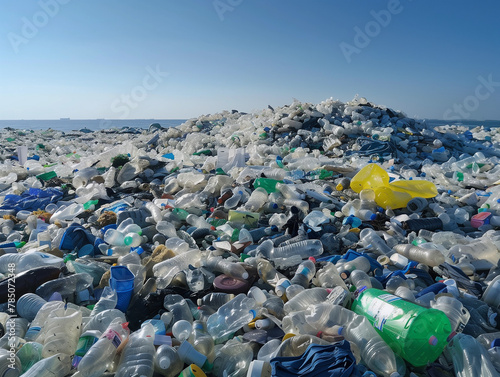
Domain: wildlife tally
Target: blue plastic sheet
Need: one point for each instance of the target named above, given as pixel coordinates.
(32, 199)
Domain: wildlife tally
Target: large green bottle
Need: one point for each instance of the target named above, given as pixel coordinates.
(415, 333)
(267, 184)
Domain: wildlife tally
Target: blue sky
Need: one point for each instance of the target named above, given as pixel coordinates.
(88, 59)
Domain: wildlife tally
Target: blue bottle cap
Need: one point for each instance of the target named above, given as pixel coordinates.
(495, 343)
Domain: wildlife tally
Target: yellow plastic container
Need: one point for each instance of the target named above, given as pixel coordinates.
(395, 194)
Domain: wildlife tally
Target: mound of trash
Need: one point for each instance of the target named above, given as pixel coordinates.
(336, 239)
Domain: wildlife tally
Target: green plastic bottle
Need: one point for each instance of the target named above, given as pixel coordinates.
(267, 184)
(415, 333)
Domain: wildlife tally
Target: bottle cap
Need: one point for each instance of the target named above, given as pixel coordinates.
(495, 343)
(433, 340)
(189, 355)
(312, 259)
(281, 286)
(259, 368)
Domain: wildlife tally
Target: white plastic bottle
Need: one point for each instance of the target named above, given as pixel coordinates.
(40, 319)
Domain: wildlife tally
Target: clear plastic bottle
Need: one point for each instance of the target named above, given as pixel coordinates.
(102, 320)
(137, 358)
(256, 200)
(231, 317)
(100, 356)
(215, 299)
(233, 359)
(305, 249)
(177, 305)
(369, 237)
(454, 310)
(107, 300)
(375, 353)
(226, 267)
(346, 267)
(27, 261)
(179, 262)
(306, 298)
(202, 341)
(61, 332)
(28, 305)
(58, 365)
(167, 361)
(469, 358)
(329, 277)
(66, 286)
(305, 272)
(360, 279)
(272, 277)
(430, 257)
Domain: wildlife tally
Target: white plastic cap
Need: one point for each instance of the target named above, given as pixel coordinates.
(259, 368)
(282, 285)
(189, 355)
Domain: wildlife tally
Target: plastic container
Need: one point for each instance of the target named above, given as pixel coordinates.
(231, 317)
(29, 354)
(305, 272)
(430, 257)
(167, 361)
(122, 281)
(415, 333)
(469, 358)
(61, 331)
(28, 305)
(55, 365)
(137, 358)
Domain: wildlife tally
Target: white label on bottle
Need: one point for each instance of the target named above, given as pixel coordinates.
(381, 309)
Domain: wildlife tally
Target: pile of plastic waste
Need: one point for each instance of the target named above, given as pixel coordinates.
(337, 239)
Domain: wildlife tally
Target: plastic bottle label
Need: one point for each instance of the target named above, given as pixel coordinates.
(113, 336)
(84, 344)
(381, 309)
(304, 271)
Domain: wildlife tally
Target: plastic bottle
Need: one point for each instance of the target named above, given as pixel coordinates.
(58, 365)
(61, 331)
(233, 359)
(256, 200)
(305, 298)
(226, 267)
(306, 249)
(375, 353)
(28, 305)
(182, 330)
(454, 310)
(231, 317)
(358, 263)
(67, 213)
(179, 262)
(430, 257)
(272, 277)
(27, 261)
(360, 279)
(305, 272)
(9, 366)
(40, 319)
(215, 299)
(102, 320)
(107, 300)
(179, 308)
(369, 237)
(85, 342)
(202, 341)
(167, 361)
(29, 354)
(329, 277)
(417, 334)
(100, 356)
(67, 286)
(469, 358)
(138, 355)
